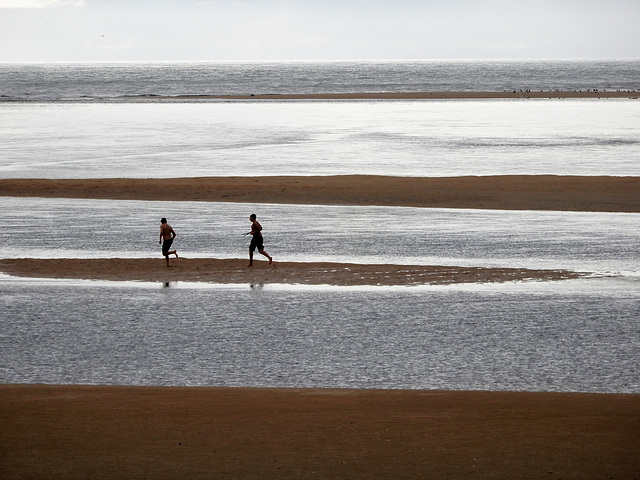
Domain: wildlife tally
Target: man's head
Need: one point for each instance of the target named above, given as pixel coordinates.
(163, 220)
(252, 217)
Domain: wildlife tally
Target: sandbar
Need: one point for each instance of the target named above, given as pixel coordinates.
(506, 192)
(443, 95)
(236, 271)
(108, 432)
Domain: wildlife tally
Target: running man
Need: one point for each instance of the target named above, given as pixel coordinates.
(256, 241)
(167, 234)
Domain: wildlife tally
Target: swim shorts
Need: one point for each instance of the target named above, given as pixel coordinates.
(166, 245)
(256, 242)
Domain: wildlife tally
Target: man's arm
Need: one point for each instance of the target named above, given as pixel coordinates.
(255, 228)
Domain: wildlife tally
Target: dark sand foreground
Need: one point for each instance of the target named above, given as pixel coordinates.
(80, 432)
(512, 192)
(236, 271)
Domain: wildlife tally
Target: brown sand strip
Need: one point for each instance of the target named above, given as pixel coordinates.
(521, 192)
(236, 271)
(80, 432)
(512, 94)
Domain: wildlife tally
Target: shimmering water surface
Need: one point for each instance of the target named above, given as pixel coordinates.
(67, 228)
(534, 337)
(578, 335)
(112, 82)
(80, 120)
(419, 138)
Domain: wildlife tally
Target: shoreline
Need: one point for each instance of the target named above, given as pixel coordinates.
(499, 192)
(235, 271)
(441, 95)
(112, 432)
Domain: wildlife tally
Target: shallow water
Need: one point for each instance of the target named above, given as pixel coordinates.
(578, 335)
(417, 138)
(67, 228)
(530, 337)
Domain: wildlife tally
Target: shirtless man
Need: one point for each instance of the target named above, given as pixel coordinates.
(167, 234)
(256, 241)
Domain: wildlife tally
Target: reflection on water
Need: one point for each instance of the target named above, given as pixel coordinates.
(538, 336)
(63, 228)
(579, 335)
(414, 138)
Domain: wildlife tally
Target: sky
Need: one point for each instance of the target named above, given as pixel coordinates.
(255, 30)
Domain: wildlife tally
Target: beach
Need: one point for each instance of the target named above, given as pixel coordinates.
(569, 193)
(76, 432)
(507, 192)
(129, 369)
(236, 271)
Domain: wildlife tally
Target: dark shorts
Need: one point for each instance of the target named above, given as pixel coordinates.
(256, 242)
(166, 245)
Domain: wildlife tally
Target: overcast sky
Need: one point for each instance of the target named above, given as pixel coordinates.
(255, 30)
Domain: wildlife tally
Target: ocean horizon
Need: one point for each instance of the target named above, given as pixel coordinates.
(73, 121)
(100, 82)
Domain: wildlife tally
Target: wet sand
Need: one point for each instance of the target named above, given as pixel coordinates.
(79, 432)
(236, 271)
(508, 192)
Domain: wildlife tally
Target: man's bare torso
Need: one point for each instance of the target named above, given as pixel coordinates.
(166, 231)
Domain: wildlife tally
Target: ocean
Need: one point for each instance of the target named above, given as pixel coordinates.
(518, 337)
(409, 138)
(60, 82)
(88, 120)
(101, 121)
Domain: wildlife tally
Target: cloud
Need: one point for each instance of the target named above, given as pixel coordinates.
(41, 3)
(221, 30)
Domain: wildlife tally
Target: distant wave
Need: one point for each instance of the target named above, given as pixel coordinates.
(91, 82)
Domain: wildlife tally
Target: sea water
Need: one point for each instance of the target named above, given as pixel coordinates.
(598, 242)
(417, 138)
(78, 121)
(60, 82)
(86, 120)
(577, 335)
(573, 336)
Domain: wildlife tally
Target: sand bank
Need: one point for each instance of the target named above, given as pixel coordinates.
(236, 271)
(511, 94)
(511, 192)
(78, 432)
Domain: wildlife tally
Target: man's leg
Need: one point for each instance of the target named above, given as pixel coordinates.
(166, 245)
(266, 255)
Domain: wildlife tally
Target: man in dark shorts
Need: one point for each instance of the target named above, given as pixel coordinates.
(256, 241)
(167, 235)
